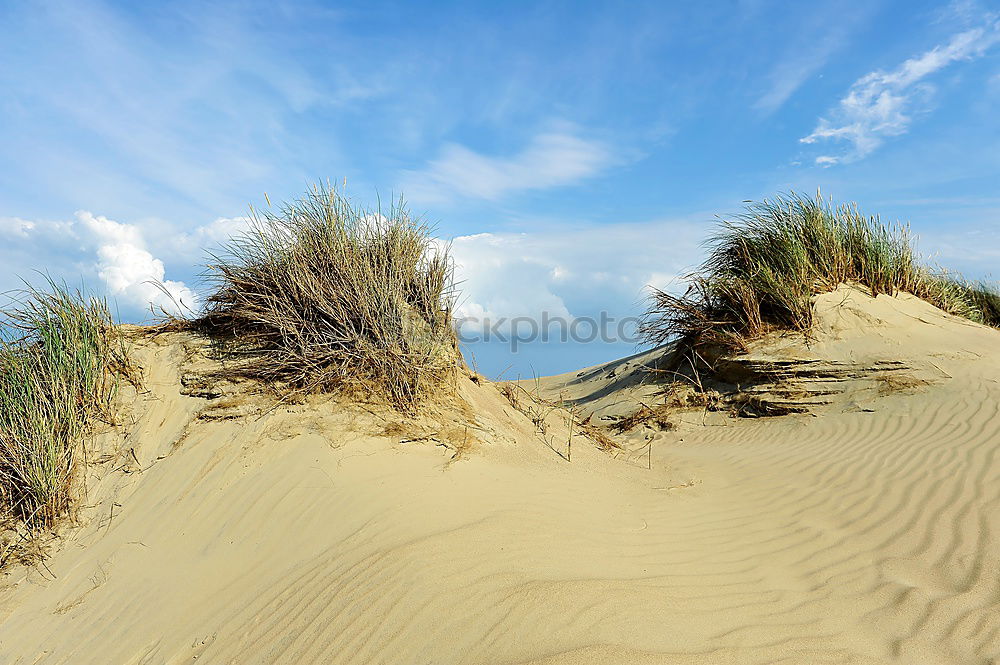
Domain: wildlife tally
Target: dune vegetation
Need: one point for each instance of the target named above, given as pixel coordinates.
(985, 298)
(318, 295)
(765, 265)
(60, 359)
(322, 295)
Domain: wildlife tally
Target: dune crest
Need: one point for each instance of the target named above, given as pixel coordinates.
(221, 528)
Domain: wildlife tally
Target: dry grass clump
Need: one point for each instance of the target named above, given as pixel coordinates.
(655, 417)
(60, 357)
(510, 390)
(896, 382)
(322, 295)
(765, 266)
(597, 434)
(681, 395)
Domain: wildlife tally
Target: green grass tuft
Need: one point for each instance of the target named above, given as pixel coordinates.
(766, 264)
(986, 298)
(59, 357)
(323, 295)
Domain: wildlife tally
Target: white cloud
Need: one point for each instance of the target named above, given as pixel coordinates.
(790, 74)
(881, 104)
(192, 246)
(570, 274)
(95, 248)
(220, 230)
(128, 269)
(15, 226)
(161, 104)
(549, 160)
(665, 281)
(504, 275)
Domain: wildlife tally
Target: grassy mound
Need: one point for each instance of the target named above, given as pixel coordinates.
(59, 358)
(322, 295)
(765, 266)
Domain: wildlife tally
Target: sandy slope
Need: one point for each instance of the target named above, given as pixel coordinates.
(866, 533)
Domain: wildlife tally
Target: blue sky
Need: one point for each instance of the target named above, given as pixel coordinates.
(573, 152)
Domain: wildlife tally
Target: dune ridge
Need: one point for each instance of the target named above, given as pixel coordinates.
(864, 531)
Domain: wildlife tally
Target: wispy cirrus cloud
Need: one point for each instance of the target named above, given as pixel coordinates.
(549, 160)
(178, 105)
(881, 104)
(824, 32)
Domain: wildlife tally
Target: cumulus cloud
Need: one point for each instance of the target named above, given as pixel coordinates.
(129, 270)
(549, 160)
(564, 274)
(509, 275)
(505, 276)
(881, 104)
(93, 246)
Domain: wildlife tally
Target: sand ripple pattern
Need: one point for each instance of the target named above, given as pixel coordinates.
(850, 537)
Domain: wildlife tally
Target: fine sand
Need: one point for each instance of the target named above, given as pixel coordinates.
(220, 528)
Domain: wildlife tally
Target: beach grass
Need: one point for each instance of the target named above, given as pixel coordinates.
(984, 301)
(765, 265)
(60, 357)
(322, 295)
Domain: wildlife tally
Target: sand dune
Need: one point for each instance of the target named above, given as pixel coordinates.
(864, 531)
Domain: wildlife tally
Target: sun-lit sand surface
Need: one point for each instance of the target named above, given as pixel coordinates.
(866, 531)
